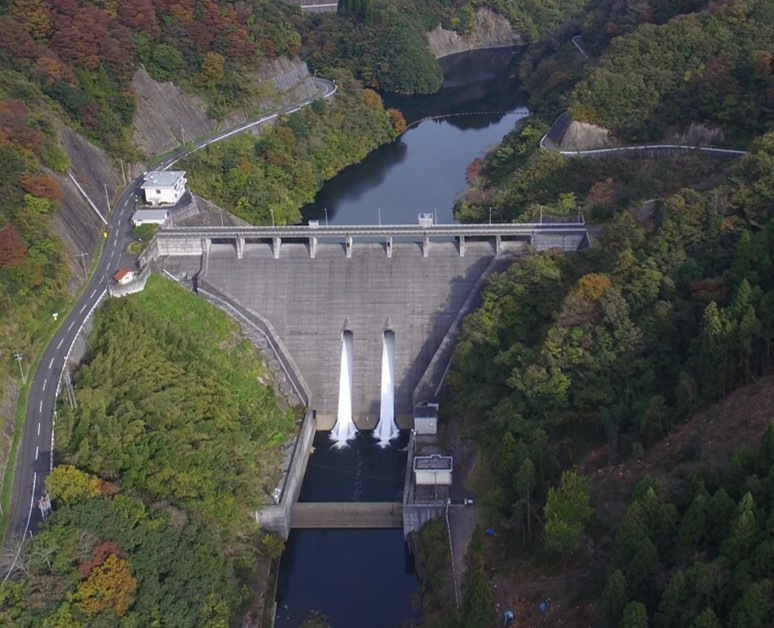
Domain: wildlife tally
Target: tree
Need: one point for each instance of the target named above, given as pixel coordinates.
(706, 619)
(615, 598)
(568, 512)
(66, 483)
(635, 615)
(110, 586)
(477, 608)
(642, 570)
(13, 251)
(754, 608)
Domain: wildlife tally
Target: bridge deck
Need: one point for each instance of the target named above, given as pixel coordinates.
(347, 515)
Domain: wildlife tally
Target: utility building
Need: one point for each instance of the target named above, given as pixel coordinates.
(163, 187)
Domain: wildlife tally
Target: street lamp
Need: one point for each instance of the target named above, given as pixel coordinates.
(272, 216)
(325, 209)
(380, 216)
(18, 356)
(490, 214)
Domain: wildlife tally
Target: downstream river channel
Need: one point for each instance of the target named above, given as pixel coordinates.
(365, 577)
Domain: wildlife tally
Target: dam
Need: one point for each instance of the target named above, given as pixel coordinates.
(307, 288)
(309, 285)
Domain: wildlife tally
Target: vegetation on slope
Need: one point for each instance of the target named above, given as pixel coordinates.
(519, 181)
(173, 441)
(267, 180)
(82, 55)
(713, 67)
(703, 556)
(171, 405)
(577, 363)
(384, 44)
(33, 268)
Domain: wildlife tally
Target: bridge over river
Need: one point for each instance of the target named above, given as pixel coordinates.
(304, 286)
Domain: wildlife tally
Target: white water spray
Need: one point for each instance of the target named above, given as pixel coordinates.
(345, 429)
(387, 430)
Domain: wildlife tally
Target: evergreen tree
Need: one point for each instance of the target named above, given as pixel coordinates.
(477, 607)
(568, 512)
(706, 619)
(615, 598)
(635, 615)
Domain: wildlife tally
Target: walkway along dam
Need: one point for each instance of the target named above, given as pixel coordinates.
(303, 287)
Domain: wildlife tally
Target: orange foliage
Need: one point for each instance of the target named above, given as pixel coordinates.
(397, 119)
(591, 286)
(603, 192)
(13, 121)
(110, 586)
(41, 185)
(473, 170)
(12, 248)
(98, 556)
(371, 99)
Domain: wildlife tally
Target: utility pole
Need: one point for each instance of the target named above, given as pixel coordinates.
(82, 255)
(18, 357)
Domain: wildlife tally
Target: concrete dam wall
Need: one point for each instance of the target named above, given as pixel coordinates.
(310, 302)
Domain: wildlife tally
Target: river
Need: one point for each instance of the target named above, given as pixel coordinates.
(365, 577)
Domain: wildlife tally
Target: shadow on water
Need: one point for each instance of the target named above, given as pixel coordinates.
(476, 82)
(355, 577)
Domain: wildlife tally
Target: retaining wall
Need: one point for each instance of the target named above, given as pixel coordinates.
(277, 518)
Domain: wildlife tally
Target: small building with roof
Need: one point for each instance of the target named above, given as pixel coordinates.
(124, 275)
(150, 217)
(163, 187)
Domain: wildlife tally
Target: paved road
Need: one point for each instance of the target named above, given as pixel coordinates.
(35, 458)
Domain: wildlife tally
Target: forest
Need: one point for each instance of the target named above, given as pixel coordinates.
(174, 440)
(267, 180)
(575, 367)
(570, 366)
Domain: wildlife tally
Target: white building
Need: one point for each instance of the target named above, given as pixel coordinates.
(150, 217)
(163, 187)
(125, 275)
(434, 470)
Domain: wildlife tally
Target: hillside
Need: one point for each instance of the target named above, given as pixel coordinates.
(573, 365)
(174, 441)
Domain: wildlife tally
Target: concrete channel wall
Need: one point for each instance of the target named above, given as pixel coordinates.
(277, 518)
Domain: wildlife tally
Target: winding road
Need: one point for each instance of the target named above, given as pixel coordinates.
(35, 458)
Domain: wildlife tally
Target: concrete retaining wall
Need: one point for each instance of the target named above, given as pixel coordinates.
(136, 285)
(278, 518)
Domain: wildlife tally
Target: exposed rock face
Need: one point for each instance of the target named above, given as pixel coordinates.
(490, 30)
(166, 116)
(701, 134)
(585, 136)
(76, 221)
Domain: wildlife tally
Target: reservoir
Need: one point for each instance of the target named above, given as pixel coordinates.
(365, 577)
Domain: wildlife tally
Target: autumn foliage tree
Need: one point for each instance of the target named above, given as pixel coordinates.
(109, 587)
(12, 247)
